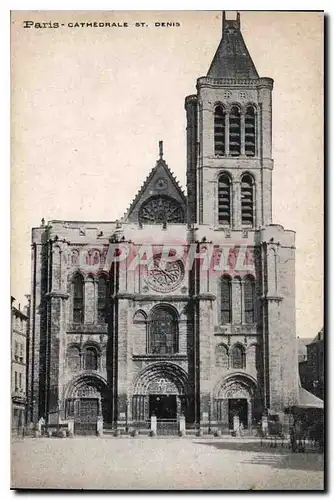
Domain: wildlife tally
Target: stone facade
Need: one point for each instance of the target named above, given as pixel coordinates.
(127, 342)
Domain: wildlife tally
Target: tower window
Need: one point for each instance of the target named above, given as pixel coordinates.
(225, 300)
(219, 126)
(78, 299)
(101, 299)
(249, 296)
(250, 133)
(234, 132)
(247, 201)
(224, 200)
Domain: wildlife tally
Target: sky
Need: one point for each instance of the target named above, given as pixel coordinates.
(89, 106)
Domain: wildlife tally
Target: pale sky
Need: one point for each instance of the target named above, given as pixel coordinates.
(89, 106)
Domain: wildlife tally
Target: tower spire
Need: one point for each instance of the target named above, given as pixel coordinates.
(161, 149)
(232, 59)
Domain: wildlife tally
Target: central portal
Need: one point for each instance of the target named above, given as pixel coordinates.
(163, 406)
(238, 407)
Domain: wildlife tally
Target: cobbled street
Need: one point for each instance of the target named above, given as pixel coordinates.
(161, 463)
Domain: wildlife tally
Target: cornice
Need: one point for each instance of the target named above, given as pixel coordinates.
(206, 81)
(56, 295)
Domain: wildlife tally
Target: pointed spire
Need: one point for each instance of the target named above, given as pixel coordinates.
(161, 149)
(232, 59)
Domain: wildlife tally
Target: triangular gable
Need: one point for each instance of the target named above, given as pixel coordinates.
(160, 181)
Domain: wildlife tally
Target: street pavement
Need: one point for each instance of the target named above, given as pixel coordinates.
(161, 463)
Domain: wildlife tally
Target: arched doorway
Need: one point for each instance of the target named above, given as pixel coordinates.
(234, 396)
(159, 390)
(84, 403)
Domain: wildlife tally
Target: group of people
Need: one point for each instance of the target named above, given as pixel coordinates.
(297, 436)
(302, 430)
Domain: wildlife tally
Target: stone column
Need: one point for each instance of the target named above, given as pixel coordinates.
(249, 413)
(224, 413)
(56, 360)
(89, 300)
(70, 423)
(236, 301)
(153, 423)
(242, 133)
(182, 423)
(264, 425)
(236, 204)
(236, 424)
(36, 327)
(178, 406)
(100, 425)
(227, 142)
(242, 305)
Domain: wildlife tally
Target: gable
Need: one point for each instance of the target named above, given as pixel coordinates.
(160, 192)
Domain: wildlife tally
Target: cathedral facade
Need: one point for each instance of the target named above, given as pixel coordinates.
(186, 306)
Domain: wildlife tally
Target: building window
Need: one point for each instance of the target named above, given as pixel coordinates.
(238, 357)
(221, 352)
(16, 351)
(101, 299)
(219, 130)
(15, 381)
(249, 296)
(91, 358)
(250, 134)
(78, 299)
(225, 300)
(224, 200)
(20, 380)
(247, 201)
(163, 331)
(234, 132)
(21, 352)
(73, 358)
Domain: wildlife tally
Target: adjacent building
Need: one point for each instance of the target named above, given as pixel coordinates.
(19, 338)
(121, 337)
(311, 369)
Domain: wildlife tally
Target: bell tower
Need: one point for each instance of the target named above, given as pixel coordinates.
(229, 139)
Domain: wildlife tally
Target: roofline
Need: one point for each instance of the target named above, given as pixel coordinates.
(19, 312)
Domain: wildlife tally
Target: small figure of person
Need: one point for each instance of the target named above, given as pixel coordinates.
(300, 435)
(241, 429)
(41, 426)
(293, 437)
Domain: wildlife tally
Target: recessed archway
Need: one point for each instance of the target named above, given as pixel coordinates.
(234, 396)
(159, 389)
(84, 402)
